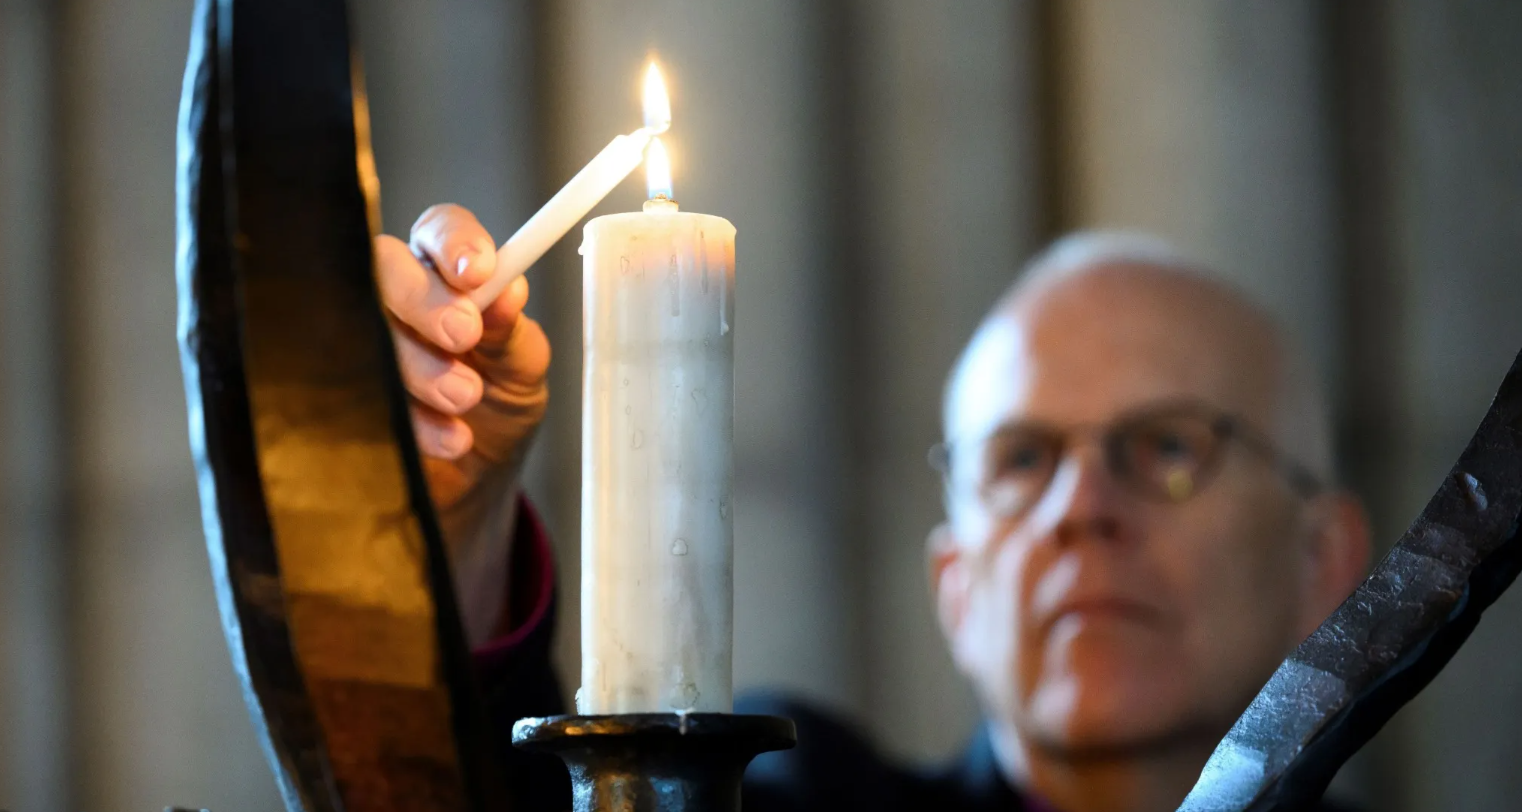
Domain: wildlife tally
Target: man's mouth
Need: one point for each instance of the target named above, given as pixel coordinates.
(1102, 609)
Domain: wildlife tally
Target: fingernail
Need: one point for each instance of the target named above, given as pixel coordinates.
(454, 441)
(451, 441)
(460, 326)
(459, 390)
(463, 263)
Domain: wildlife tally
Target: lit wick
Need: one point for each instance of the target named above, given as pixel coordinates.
(658, 178)
(580, 194)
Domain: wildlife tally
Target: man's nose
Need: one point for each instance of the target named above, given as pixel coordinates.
(1085, 496)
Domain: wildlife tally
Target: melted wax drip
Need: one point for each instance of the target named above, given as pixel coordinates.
(723, 305)
(676, 287)
(703, 261)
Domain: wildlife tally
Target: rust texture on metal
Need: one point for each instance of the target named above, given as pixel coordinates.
(329, 565)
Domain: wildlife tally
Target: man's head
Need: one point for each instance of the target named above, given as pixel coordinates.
(1140, 520)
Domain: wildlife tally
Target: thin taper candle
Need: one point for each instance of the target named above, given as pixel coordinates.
(584, 191)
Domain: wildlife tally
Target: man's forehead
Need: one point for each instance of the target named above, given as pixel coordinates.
(992, 381)
(1097, 344)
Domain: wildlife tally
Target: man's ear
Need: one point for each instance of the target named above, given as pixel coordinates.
(950, 581)
(1339, 558)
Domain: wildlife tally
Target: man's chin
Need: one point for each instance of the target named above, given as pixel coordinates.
(1079, 722)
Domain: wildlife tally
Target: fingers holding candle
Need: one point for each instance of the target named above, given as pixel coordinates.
(514, 353)
(419, 298)
(477, 379)
(457, 244)
(441, 382)
(499, 317)
(441, 436)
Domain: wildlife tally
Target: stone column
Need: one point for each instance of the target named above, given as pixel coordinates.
(947, 206)
(1204, 122)
(159, 719)
(1458, 235)
(451, 90)
(34, 615)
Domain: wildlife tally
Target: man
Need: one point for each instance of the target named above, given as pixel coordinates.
(1140, 523)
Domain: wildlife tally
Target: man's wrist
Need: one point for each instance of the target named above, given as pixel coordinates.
(479, 536)
(529, 591)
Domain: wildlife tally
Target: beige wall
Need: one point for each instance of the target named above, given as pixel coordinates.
(889, 164)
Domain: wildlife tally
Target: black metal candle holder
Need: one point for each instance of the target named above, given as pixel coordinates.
(656, 762)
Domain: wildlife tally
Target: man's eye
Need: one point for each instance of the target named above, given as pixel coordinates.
(1169, 447)
(1172, 445)
(1021, 460)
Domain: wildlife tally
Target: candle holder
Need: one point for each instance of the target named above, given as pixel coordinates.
(656, 762)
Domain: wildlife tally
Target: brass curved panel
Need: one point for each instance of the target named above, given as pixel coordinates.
(329, 564)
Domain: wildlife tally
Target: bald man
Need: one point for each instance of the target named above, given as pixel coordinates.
(1140, 524)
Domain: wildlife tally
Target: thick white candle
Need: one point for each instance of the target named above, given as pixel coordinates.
(657, 463)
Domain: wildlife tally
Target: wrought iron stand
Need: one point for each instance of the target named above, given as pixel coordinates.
(656, 762)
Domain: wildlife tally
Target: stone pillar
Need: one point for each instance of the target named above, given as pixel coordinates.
(1204, 122)
(946, 200)
(34, 660)
(159, 718)
(1458, 235)
(451, 90)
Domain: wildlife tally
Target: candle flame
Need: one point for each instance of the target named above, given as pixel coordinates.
(658, 170)
(657, 103)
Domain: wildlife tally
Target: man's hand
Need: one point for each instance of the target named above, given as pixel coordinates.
(477, 384)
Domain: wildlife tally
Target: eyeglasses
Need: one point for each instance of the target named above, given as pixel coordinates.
(1166, 452)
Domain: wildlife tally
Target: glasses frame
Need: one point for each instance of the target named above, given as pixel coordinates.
(1226, 426)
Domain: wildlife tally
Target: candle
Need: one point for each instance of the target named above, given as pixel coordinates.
(580, 194)
(657, 462)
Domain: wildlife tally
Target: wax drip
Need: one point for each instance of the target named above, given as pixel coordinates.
(673, 277)
(703, 261)
(723, 306)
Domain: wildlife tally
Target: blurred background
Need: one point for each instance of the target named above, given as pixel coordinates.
(889, 165)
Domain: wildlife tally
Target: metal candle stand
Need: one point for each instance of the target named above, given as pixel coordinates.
(656, 762)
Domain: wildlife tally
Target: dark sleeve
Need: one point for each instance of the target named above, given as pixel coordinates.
(832, 767)
(514, 671)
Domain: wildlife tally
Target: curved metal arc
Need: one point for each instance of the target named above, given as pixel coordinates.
(329, 564)
(1389, 639)
(232, 500)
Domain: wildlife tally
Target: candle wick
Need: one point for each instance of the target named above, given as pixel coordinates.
(661, 202)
